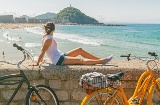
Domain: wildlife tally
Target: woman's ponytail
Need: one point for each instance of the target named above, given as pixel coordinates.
(49, 27)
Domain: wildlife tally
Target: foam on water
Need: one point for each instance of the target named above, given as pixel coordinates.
(32, 44)
(78, 39)
(9, 37)
(36, 30)
(70, 37)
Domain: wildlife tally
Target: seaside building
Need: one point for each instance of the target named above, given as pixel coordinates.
(6, 18)
(45, 20)
(63, 21)
(33, 20)
(20, 20)
(57, 20)
(10, 19)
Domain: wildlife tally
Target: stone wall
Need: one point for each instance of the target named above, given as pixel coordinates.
(64, 80)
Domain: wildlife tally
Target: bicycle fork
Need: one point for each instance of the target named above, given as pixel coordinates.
(34, 97)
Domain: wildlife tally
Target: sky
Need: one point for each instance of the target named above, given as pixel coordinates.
(108, 11)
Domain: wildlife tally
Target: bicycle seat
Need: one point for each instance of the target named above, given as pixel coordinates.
(152, 54)
(114, 77)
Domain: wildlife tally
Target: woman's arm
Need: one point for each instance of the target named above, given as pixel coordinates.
(44, 49)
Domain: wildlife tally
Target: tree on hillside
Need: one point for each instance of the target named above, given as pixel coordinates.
(75, 16)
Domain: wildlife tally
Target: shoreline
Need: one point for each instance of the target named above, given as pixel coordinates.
(24, 25)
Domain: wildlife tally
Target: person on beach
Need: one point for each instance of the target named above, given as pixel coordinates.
(3, 56)
(69, 58)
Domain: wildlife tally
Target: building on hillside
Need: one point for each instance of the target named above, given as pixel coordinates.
(63, 21)
(45, 20)
(20, 20)
(32, 20)
(6, 18)
(57, 20)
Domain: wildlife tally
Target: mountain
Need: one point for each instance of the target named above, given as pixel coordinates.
(74, 15)
(47, 15)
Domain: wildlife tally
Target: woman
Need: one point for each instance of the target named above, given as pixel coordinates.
(69, 58)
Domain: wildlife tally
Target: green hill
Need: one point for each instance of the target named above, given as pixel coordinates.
(47, 15)
(74, 15)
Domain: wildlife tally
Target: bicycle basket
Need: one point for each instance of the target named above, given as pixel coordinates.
(93, 80)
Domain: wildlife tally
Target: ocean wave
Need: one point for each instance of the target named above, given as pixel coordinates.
(32, 44)
(79, 39)
(70, 37)
(36, 30)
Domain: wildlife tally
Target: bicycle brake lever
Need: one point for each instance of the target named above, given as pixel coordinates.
(128, 56)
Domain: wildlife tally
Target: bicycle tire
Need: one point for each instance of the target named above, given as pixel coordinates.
(47, 94)
(155, 94)
(101, 97)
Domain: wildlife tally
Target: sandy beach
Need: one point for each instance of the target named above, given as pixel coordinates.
(21, 25)
(24, 25)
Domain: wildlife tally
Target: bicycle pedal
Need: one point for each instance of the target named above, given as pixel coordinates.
(34, 97)
(135, 101)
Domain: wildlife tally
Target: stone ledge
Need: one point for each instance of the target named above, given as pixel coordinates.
(64, 80)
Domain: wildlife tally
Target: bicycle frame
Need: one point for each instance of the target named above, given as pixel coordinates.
(140, 90)
(115, 94)
(21, 74)
(20, 83)
(142, 86)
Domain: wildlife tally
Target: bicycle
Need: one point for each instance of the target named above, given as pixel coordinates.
(37, 94)
(114, 93)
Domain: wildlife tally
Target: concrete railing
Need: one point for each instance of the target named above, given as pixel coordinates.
(64, 80)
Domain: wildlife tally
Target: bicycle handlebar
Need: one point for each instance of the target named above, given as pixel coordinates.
(18, 47)
(25, 53)
(140, 58)
(150, 53)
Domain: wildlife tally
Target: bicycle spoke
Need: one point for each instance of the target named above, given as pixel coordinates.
(48, 97)
(101, 98)
(156, 96)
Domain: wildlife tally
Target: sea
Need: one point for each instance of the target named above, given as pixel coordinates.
(101, 41)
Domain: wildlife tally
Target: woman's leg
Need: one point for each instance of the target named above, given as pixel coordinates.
(75, 60)
(83, 53)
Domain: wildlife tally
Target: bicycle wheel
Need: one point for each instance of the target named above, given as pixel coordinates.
(101, 97)
(47, 94)
(155, 94)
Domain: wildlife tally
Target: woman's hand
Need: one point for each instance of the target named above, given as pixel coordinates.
(35, 64)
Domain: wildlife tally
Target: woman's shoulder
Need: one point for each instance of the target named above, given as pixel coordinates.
(47, 37)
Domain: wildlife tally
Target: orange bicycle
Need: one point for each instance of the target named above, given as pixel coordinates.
(114, 93)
